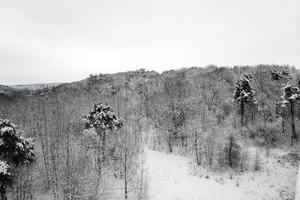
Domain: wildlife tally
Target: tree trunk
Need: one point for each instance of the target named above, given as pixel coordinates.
(141, 186)
(219, 117)
(3, 192)
(103, 144)
(125, 174)
(198, 159)
(230, 152)
(242, 113)
(147, 107)
(294, 135)
(98, 166)
(141, 106)
(170, 143)
(283, 126)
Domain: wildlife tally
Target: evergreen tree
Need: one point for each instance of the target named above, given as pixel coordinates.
(275, 75)
(243, 95)
(290, 98)
(15, 151)
(102, 119)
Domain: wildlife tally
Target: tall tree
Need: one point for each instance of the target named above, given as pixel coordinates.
(15, 151)
(243, 95)
(290, 98)
(102, 119)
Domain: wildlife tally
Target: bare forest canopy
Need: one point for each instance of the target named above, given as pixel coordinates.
(240, 105)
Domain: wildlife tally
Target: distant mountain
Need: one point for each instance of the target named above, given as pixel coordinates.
(34, 87)
(6, 89)
(13, 89)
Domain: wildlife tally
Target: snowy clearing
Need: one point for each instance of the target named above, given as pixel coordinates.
(170, 178)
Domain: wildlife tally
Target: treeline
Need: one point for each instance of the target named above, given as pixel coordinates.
(210, 111)
(71, 163)
(218, 112)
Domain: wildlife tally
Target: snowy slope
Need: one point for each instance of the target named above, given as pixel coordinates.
(170, 179)
(298, 186)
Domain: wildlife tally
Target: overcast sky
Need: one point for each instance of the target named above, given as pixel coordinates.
(66, 40)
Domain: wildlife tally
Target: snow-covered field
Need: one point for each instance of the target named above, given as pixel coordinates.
(170, 178)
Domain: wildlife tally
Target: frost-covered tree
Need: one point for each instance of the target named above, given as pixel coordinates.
(244, 95)
(280, 77)
(290, 98)
(5, 178)
(275, 75)
(102, 119)
(15, 151)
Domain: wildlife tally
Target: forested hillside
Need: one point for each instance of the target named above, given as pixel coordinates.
(90, 135)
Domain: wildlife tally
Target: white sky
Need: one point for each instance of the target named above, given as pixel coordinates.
(66, 40)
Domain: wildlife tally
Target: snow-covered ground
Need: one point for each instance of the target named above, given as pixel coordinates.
(297, 197)
(170, 178)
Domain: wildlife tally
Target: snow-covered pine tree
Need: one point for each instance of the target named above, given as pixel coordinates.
(275, 75)
(243, 94)
(102, 119)
(291, 95)
(15, 151)
(279, 76)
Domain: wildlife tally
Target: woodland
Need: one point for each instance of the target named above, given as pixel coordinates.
(87, 139)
